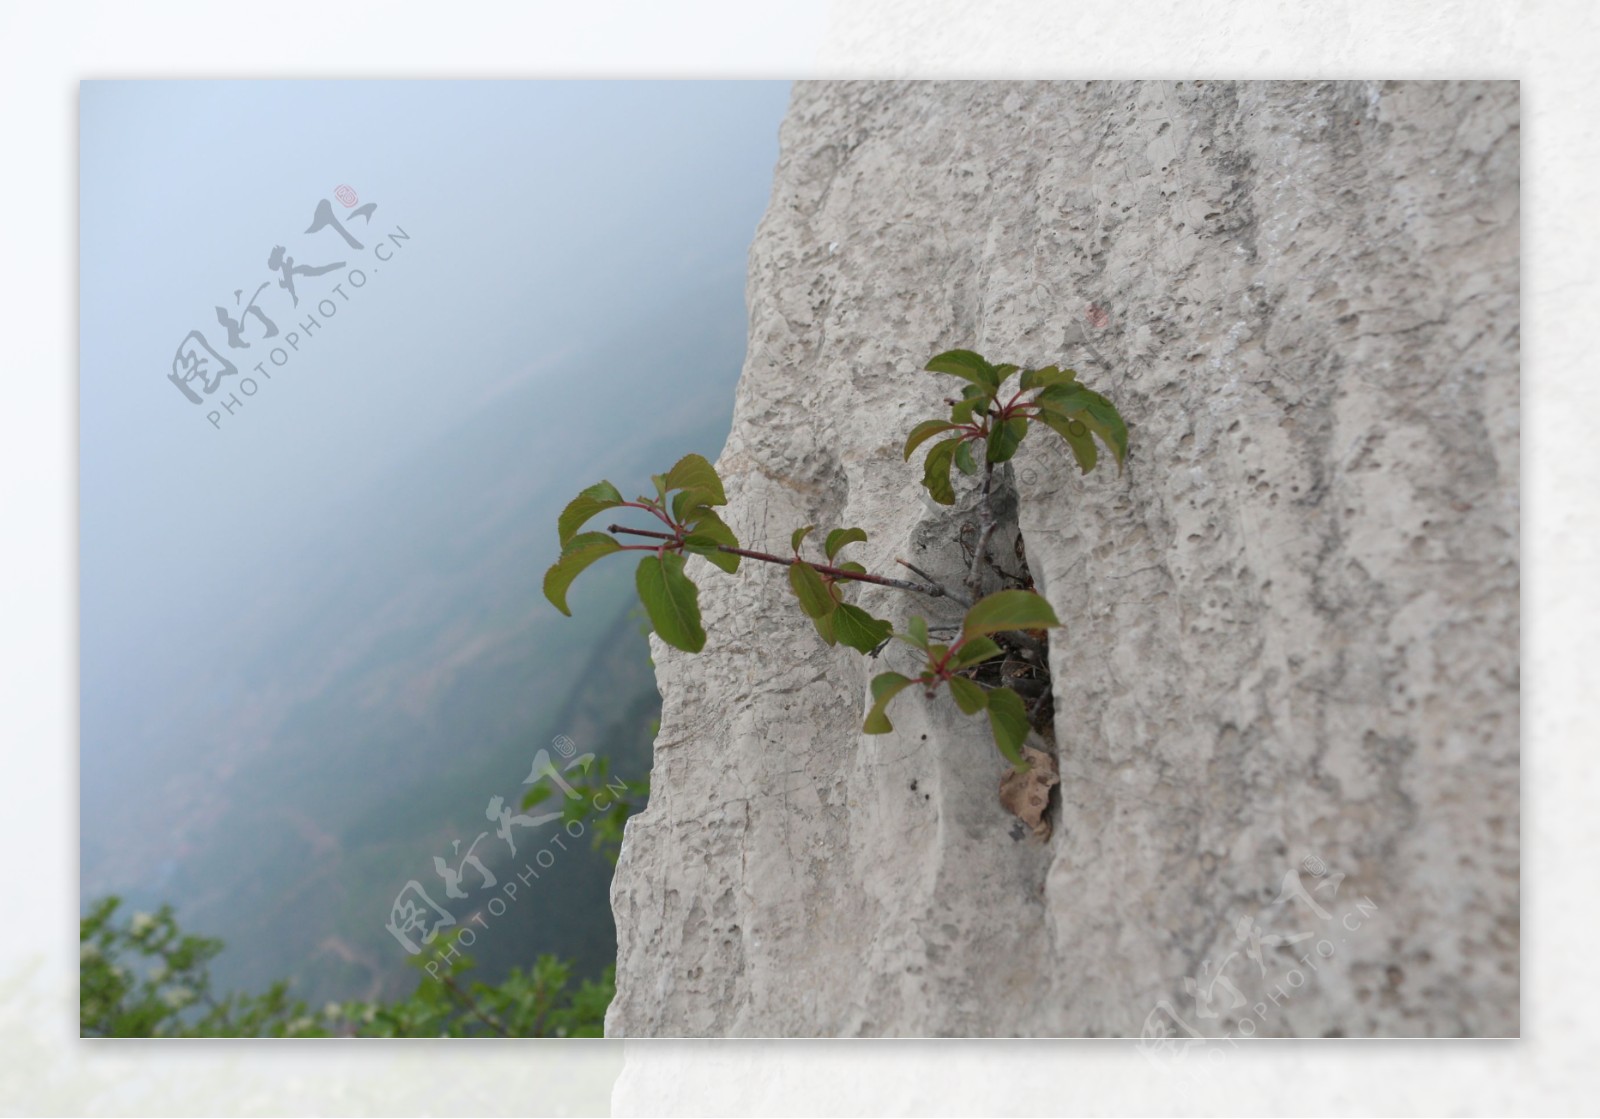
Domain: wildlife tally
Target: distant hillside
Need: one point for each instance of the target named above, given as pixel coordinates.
(342, 726)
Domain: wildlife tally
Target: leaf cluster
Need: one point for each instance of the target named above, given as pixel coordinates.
(590, 785)
(952, 665)
(142, 976)
(985, 417)
(821, 597)
(685, 503)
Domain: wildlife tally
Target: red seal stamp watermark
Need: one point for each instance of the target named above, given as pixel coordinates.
(1097, 316)
(347, 195)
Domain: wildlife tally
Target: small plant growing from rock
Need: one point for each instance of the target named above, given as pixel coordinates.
(1011, 623)
(952, 666)
(981, 418)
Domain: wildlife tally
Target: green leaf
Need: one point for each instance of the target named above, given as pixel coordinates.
(1076, 433)
(858, 629)
(1067, 399)
(917, 630)
(708, 524)
(685, 503)
(672, 601)
(924, 431)
(851, 565)
(966, 365)
(598, 497)
(970, 697)
(1008, 720)
(1004, 372)
(885, 686)
(936, 472)
(693, 472)
(728, 563)
(974, 650)
(824, 626)
(975, 399)
(1004, 439)
(810, 590)
(702, 545)
(1005, 610)
(961, 411)
(1093, 411)
(660, 483)
(798, 537)
(964, 461)
(839, 537)
(1049, 375)
(1106, 422)
(579, 553)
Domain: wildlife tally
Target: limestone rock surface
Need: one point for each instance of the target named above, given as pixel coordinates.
(1287, 687)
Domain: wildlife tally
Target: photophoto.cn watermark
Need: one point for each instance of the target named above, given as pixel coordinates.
(416, 919)
(284, 315)
(1278, 952)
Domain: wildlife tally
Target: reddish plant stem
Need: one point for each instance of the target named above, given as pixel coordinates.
(768, 557)
(653, 508)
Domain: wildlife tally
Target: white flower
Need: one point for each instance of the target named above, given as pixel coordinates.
(178, 997)
(158, 973)
(300, 1025)
(89, 951)
(332, 1010)
(142, 922)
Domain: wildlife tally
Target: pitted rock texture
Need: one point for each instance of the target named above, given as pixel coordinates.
(1287, 688)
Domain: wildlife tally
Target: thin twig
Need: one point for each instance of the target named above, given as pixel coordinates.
(1031, 648)
(986, 530)
(1038, 705)
(1026, 685)
(1004, 574)
(931, 581)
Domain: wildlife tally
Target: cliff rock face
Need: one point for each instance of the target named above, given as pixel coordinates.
(1287, 687)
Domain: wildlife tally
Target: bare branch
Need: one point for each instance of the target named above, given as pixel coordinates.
(932, 590)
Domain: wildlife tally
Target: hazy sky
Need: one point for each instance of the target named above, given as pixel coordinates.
(537, 217)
